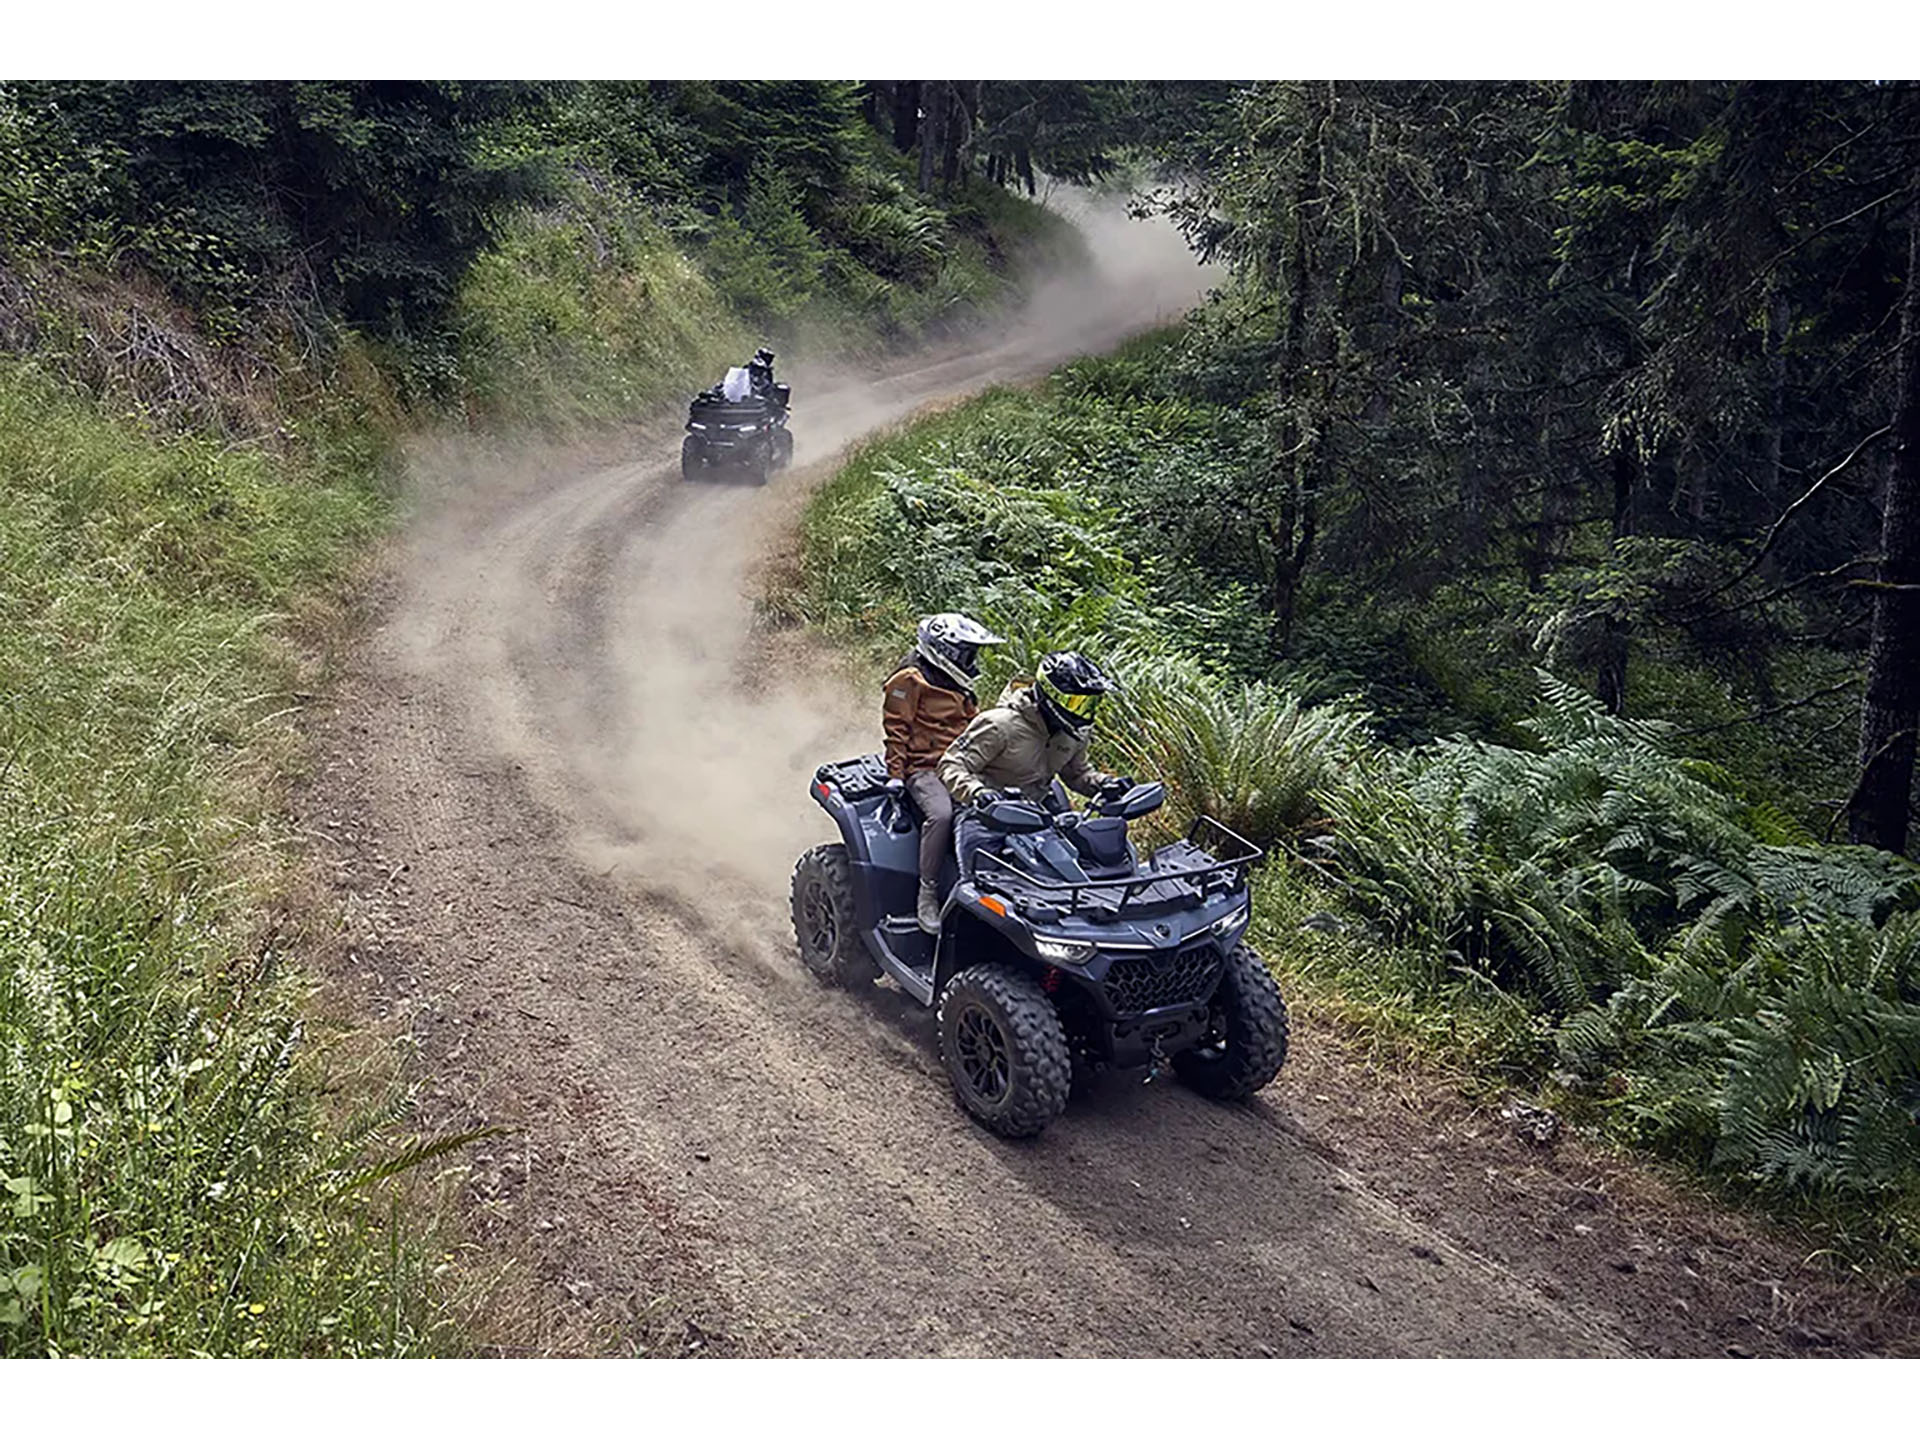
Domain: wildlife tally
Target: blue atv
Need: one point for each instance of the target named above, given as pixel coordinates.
(1063, 953)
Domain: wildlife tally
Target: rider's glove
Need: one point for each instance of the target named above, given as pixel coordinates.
(1116, 787)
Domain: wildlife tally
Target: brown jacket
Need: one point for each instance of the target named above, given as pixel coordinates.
(1010, 748)
(921, 719)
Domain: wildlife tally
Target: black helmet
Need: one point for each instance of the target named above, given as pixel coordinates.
(1068, 690)
(763, 356)
(951, 644)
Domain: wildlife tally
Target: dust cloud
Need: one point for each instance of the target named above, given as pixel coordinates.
(592, 625)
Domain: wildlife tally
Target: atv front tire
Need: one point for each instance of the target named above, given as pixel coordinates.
(1005, 1050)
(1247, 1042)
(692, 458)
(823, 919)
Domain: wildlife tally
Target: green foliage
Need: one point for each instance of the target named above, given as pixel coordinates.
(168, 1184)
(1250, 755)
(1791, 1059)
(768, 262)
(433, 217)
(587, 313)
(1562, 867)
(376, 193)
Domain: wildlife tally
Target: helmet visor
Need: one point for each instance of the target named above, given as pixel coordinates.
(1081, 707)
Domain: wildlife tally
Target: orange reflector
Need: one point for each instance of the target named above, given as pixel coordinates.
(987, 902)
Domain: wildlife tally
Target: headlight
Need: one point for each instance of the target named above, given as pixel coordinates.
(1062, 952)
(746, 427)
(695, 425)
(1231, 921)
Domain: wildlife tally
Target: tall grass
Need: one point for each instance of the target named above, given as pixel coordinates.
(585, 314)
(169, 1181)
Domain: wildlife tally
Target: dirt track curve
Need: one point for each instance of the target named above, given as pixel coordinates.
(558, 794)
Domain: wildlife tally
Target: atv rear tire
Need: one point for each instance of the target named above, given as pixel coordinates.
(823, 919)
(1005, 1050)
(1248, 1041)
(692, 460)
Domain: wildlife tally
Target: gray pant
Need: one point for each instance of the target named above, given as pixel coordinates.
(929, 792)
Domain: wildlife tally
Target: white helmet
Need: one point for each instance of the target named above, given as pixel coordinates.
(951, 643)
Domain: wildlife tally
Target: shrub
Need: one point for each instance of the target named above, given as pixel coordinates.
(1253, 757)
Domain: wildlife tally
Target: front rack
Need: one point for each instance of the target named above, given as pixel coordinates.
(1251, 854)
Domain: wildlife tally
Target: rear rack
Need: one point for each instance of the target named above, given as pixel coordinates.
(1251, 854)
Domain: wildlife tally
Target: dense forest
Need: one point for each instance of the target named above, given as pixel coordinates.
(1524, 538)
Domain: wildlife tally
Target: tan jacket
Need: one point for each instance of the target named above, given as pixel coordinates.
(921, 719)
(1010, 747)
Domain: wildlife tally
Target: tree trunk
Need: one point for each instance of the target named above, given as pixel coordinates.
(1290, 532)
(1877, 811)
(1616, 634)
(1538, 557)
(933, 130)
(962, 105)
(906, 114)
(1779, 325)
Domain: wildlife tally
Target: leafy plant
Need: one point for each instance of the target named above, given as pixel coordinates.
(1253, 757)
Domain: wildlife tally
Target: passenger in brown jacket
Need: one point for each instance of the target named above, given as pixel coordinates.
(929, 701)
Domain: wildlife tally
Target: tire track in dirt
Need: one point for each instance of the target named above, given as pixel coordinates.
(563, 730)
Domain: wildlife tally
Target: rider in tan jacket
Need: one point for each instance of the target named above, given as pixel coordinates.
(1035, 733)
(1011, 747)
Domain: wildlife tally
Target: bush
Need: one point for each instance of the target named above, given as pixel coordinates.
(1253, 757)
(1792, 1059)
(587, 313)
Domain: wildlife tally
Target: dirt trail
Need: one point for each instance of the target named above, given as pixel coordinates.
(560, 797)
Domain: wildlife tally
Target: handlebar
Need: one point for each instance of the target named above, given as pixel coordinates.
(1251, 854)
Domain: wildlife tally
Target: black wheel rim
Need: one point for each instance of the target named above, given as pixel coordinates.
(982, 1051)
(1213, 1046)
(816, 914)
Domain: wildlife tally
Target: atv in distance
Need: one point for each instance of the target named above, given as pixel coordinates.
(1066, 952)
(749, 434)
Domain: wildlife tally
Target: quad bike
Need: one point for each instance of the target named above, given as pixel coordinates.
(751, 434)
(1064, 953)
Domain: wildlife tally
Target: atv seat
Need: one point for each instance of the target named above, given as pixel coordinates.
(1101, 843)
(863, 778)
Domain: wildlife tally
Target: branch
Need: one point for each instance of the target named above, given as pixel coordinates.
(1773, 531)
(1787, 589)
(1769, 713)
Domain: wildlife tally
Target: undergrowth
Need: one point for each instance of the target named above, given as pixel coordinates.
(1577, 910)
(172, 1181)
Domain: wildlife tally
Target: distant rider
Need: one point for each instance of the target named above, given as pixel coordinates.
(760, 374)
(1035, 733)
(929, 700)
